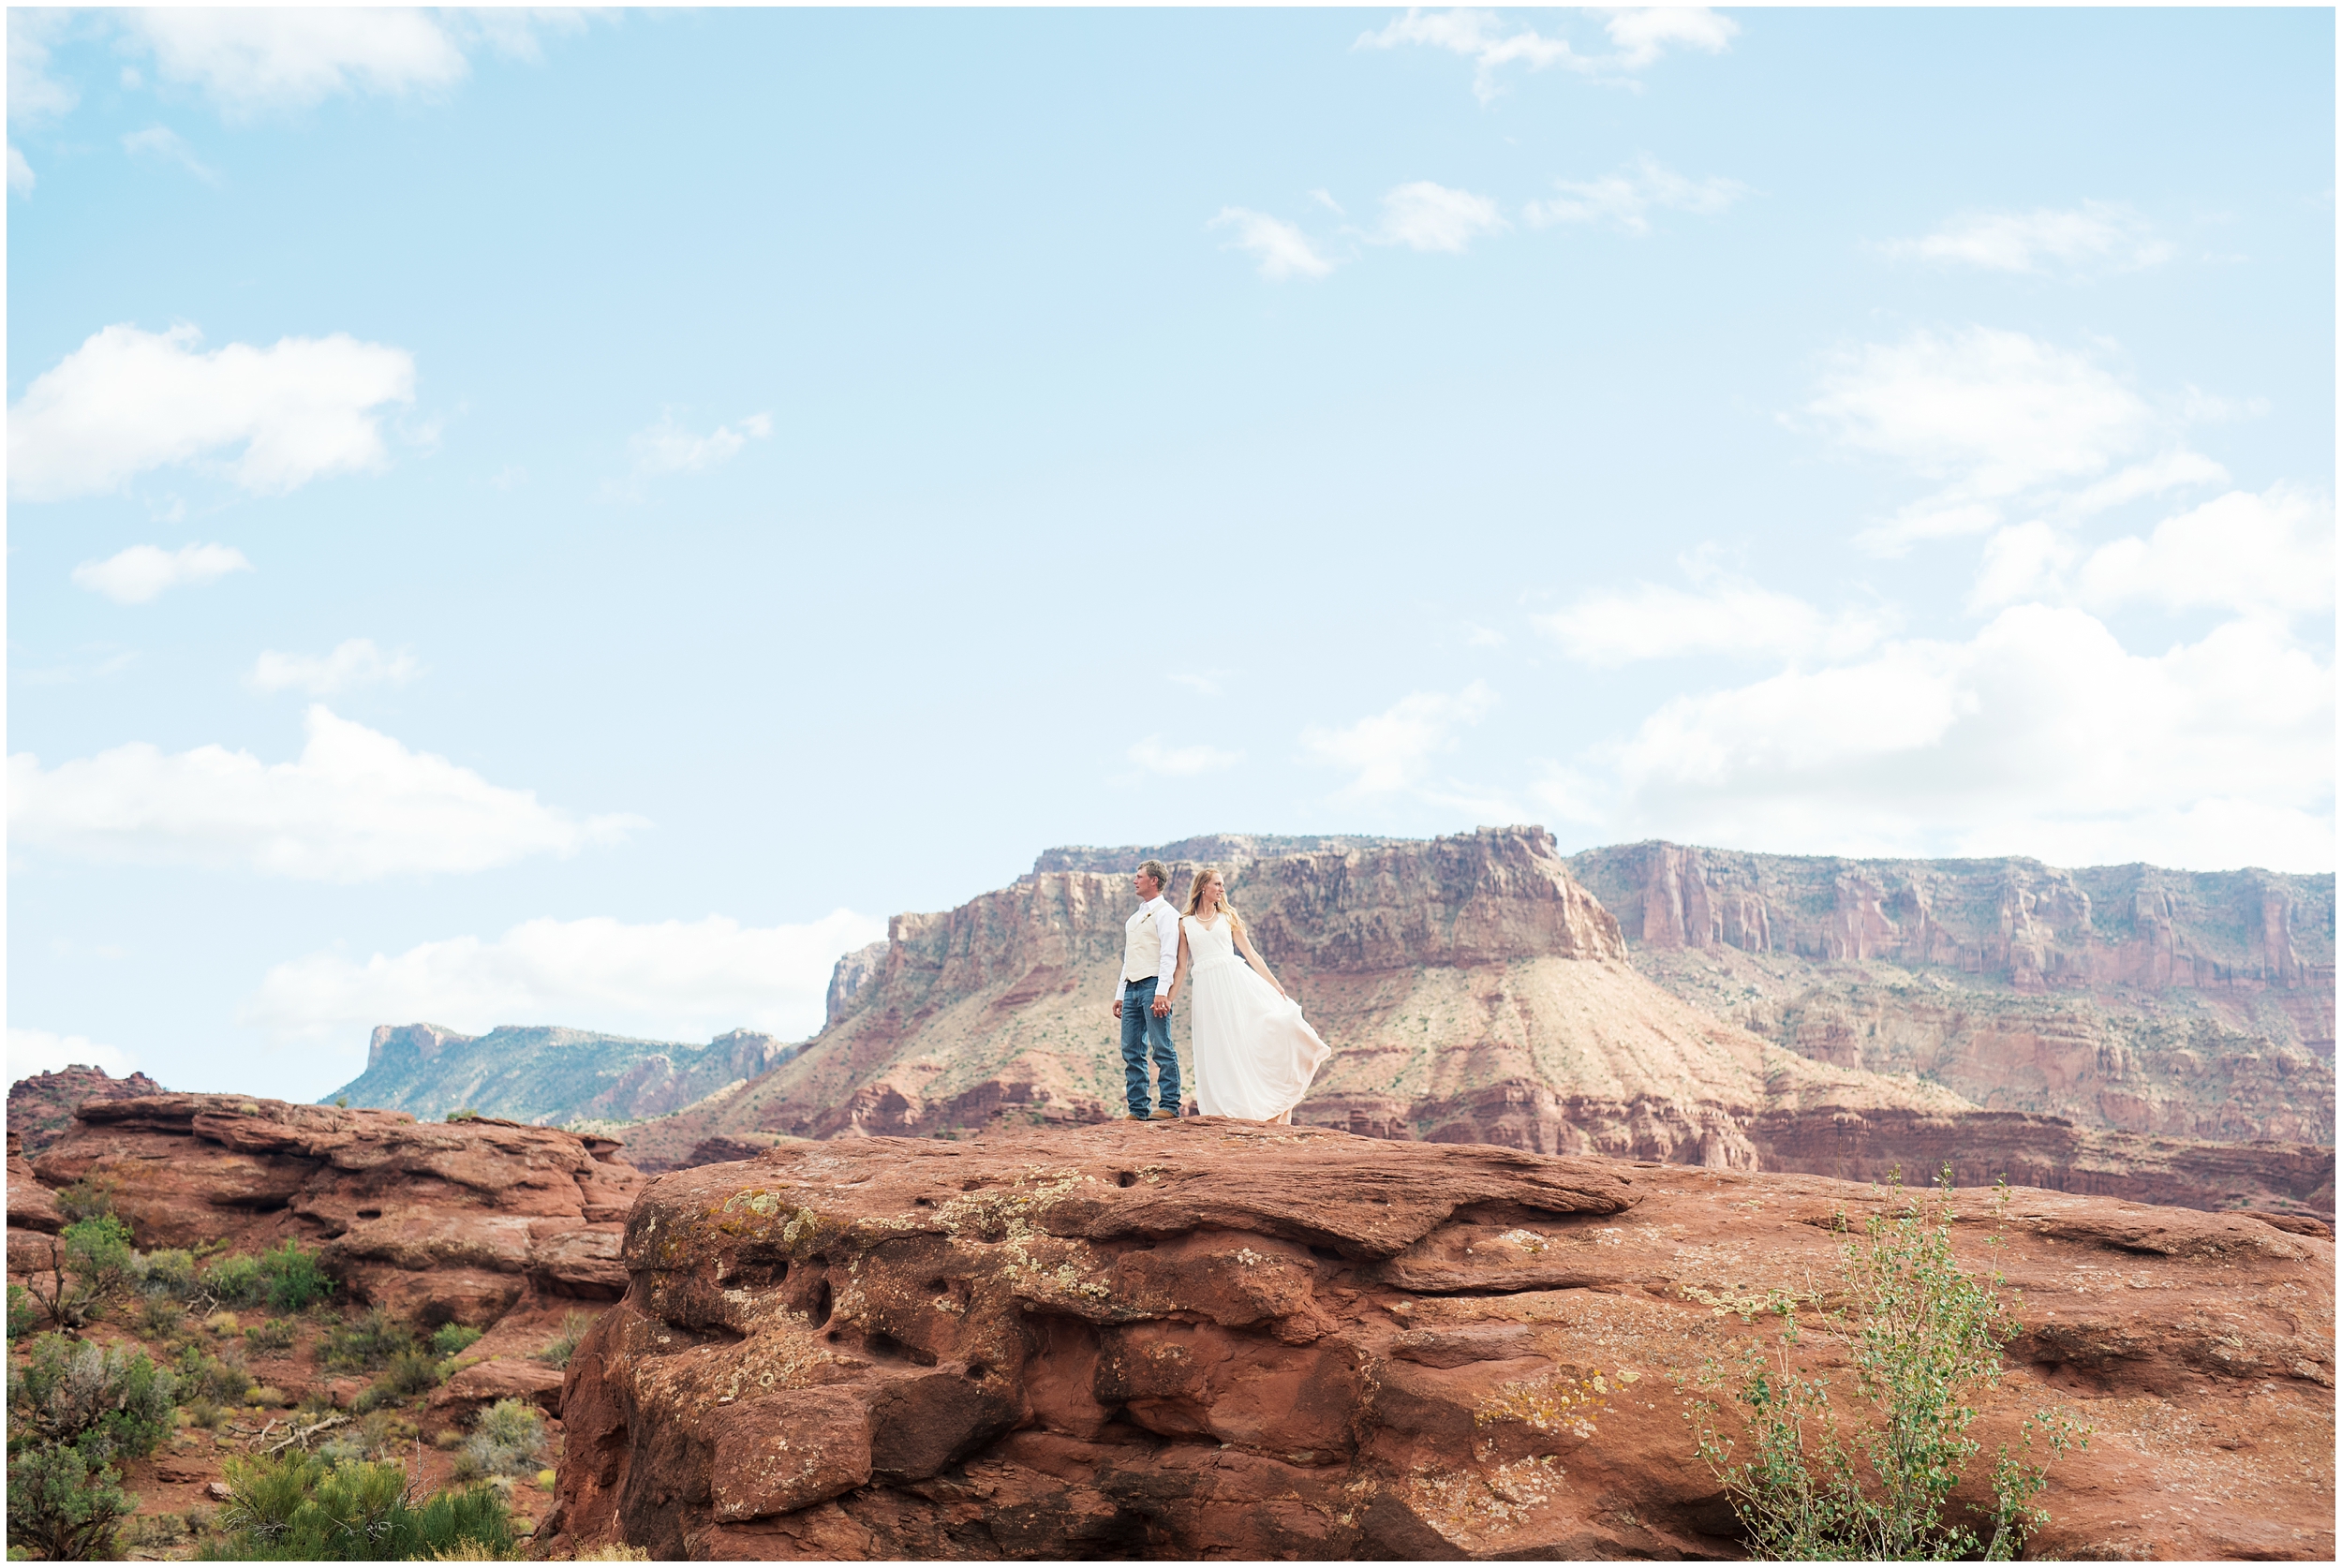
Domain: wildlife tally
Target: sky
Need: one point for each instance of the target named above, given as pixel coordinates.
(520, 518)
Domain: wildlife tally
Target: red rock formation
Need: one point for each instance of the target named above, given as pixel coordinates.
(436, 1220)
(41, 1107)
(1213, 1340)
(30, 1206)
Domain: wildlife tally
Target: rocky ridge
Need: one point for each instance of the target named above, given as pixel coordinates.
(549, 1075)
(1474, 993)
(2125, 998)
(1211, 1338)
(41, 1107)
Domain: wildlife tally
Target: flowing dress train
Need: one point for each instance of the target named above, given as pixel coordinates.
(1254, 1053)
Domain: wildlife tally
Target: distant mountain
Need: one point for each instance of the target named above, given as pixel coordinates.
(41, 1107)
(548, 1075)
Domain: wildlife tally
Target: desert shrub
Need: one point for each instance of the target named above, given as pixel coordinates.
(292, 1278)
(574, 1327)
(369, 1344)
(410, 1372)
(300, 1508)
(619, 1553)
(86, 1199)
(233, 1280)
(171, 1271)
(466, 1114)
(159, 1315)
(1925, 1338)
(104, 1401)
(203, 1410)
(270, 1338)
(377, 1435)
(505, 1441)
(221, 1379)
(64, 1504)
(453, 1338)
(23, 1313)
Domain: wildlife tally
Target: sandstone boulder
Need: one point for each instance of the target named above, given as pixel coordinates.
(1211, 1338)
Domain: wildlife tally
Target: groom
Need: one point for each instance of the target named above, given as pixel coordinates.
(1151, 952)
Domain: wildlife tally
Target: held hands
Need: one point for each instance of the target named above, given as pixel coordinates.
(1163, 1007)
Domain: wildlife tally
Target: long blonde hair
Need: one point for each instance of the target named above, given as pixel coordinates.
(1195, 896)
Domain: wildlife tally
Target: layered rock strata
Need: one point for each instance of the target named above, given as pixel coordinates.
(1208, 1339)
(549, 1075)
(436, 1221)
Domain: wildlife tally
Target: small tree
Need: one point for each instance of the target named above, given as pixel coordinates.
(64, 1504)
(1926, 1338)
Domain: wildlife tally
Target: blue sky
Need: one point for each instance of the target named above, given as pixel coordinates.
(542, 521)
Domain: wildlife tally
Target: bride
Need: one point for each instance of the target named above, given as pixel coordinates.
(1254, 1053)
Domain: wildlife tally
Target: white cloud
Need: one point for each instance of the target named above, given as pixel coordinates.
(21, 179)
(2040, 736)
(2170, 470)
(32, 1051)
(356, 806)
(161, 141)
(1986, 414)
(1393, 750)
(674, 980)
(2201, 406)
(144, 571)
(251, 61)
(355, 662)
(1280, 247)
(1638, 39)
(2096, 236)
(1732, 619)
(1627, 198)
(2271, 553)
(33, 95)
(667, 448)
(1427, 216)
(2028, 561)
(1181, 761)
(126, 401)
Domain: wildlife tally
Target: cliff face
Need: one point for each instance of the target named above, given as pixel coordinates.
(41, 1107)
(550, 1075)
(1212, 1340)
(2127, 998)
(1475, 992)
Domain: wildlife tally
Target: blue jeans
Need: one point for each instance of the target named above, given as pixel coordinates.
(1142, 1032)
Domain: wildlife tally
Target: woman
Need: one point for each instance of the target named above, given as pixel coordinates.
(1254, 1053)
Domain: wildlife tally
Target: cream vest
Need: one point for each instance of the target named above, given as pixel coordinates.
(1142, 947)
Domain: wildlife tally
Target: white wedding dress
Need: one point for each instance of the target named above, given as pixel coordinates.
(1254, 1053)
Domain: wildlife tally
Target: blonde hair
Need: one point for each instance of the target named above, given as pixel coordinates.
(1195, 895)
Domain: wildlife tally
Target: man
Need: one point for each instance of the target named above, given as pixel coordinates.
(1151, 957)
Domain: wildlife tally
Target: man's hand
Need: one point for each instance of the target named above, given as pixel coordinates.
(1117, 1007)
(1163, 1007)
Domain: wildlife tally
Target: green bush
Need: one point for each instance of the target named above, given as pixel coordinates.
(453, 1338)
(233, 1281)
(505, 1441)
(86, 1199)
(369, 1344)
(300, 1508)
(102, 1399)
(221, 1379)
(64, 1504)
(24, 1313)
(574, 1327)
(1925, 1338)
(410, 1372)
(292, 1278)
(170, 1271)
(159, 1315)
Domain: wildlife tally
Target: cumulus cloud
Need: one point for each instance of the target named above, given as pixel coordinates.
(161, 141)
(1394, 750)
(144, 571)
(1181, 761)
(1735, 619)
(356, 806)
(673, 979)
(1638, 38)
(355, 662)
(33, 93)
(2040, 736)
(2269, 553)
(1279, 248)
(668, 448)
(1423, 216)
(1626, 198)
(32, 1051)
(128, 401)
(2095, 237)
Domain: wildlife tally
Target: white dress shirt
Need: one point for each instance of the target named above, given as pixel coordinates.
(1158, 909)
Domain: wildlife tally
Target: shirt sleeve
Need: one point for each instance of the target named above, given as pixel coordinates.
(1167, 928)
